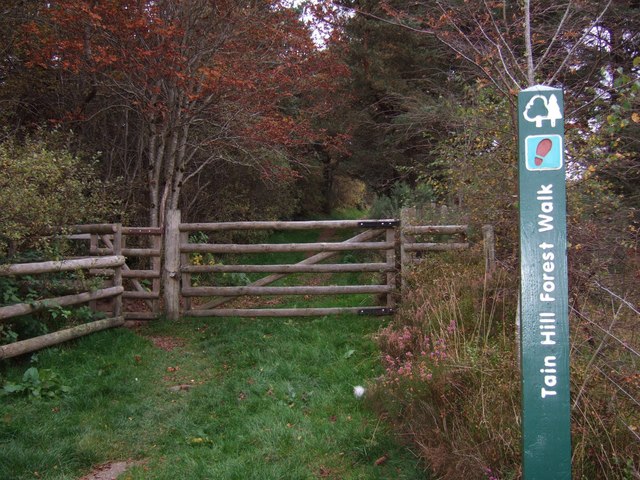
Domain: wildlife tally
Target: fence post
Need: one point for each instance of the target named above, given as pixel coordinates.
(186, 277)
(93, 251)
(117, 273)
(489, 242)
(171, 273)
(391, 261)
(156, 266)
(407, 217)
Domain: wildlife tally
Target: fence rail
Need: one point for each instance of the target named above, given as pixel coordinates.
(282, 247)
(20, 309)
(297, 225)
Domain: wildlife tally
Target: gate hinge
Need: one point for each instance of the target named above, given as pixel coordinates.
(379, 223)
(378, 311)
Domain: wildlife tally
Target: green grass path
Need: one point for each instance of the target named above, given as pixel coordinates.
(270, 399)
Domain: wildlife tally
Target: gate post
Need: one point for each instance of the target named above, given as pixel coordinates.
(489, 243)
(391, 237)
(117, 277)
(171, 273)
(407, 217)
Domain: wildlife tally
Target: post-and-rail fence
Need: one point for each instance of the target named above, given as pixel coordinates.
(142, 280)
(114, 262)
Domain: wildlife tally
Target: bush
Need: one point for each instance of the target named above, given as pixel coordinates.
(401, 196)
(44, 185)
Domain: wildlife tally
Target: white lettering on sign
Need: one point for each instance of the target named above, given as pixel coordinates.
(548, 266)
(547, 323)
(545, 197)
(547, 283)
(550, 378)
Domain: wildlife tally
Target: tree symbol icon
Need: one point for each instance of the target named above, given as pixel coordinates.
(551, 107)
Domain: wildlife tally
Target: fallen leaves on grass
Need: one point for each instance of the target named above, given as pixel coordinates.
(324, 472)
(180, 388)
(381, 461)
(199, 441)
(167, 343)
(109, 471)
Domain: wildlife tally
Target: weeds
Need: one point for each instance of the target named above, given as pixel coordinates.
(36, 383)
(451, 381)
(606, 384)
(30, 289)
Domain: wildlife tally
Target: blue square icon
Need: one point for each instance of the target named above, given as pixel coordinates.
(543, 152)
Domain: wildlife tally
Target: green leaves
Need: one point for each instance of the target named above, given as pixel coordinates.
(36, 383)
(44, 185)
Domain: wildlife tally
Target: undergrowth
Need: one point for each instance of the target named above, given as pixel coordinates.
(452, 381)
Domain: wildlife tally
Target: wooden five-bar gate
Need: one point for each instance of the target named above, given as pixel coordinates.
(374, 236)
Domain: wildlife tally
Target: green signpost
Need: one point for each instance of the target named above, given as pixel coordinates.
(544, 332)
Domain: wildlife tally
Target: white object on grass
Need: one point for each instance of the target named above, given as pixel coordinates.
(358, 391)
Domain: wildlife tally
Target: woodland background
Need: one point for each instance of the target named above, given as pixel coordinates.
(119, 110)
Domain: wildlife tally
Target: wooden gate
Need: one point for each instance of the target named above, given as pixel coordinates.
(378, 237)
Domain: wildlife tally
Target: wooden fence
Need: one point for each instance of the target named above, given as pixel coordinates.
(139, 269)
(114, 262)
(141, 273)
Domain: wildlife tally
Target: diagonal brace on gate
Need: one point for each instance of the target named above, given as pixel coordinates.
(362, 237)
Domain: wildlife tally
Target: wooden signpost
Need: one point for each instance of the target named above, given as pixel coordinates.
(544, 333)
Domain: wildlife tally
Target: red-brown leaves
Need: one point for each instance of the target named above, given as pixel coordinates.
(252, 68)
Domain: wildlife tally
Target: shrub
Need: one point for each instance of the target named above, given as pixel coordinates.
(401, 196)
(44, 185)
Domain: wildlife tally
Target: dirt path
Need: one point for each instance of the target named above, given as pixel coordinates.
(110, 471)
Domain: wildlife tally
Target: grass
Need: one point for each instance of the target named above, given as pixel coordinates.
(266, 399)
(270, 399)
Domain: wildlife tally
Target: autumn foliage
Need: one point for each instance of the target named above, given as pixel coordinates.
(207, 80)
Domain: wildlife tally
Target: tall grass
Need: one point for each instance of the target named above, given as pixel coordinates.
(606, 382)
(452, 381)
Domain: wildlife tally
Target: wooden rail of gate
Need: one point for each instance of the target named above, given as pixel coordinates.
(324, 250)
